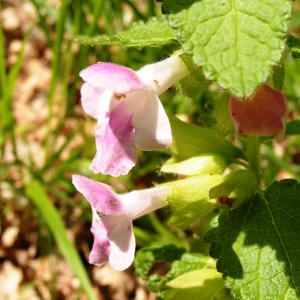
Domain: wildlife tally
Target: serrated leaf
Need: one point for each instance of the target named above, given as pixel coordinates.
(188, 262)
(237, 42)
(146, 257)
(154, 33)
(258, 244)
(294, 44)
(97, 40)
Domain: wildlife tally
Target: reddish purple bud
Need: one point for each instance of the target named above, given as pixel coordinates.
(265, 113)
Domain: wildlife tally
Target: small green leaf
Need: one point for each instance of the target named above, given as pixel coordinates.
(236, 42)
(146, 257)
(154, 33)
(224, 120)
(293, 127)
(172, 6)
(97, 40)
(258, 244)
(294, 44)
(188, 262)
(155, 283)
(195, 83)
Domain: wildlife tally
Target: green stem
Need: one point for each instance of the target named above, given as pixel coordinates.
(254, 155)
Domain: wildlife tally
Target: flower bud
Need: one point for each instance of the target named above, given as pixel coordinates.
(265, 113)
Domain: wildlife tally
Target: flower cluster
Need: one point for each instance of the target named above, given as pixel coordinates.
(129, 114)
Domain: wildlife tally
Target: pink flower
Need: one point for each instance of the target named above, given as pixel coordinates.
(265, 113)
(114, 241)
(128, 110)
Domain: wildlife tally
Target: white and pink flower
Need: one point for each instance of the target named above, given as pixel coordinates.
(114, 240)
(128, 110)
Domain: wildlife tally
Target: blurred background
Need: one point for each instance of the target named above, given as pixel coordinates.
(45, 137)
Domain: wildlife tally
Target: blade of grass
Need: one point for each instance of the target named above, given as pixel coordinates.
(37, 195)
(60, 26)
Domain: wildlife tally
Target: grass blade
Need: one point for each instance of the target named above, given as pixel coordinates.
(36, 193)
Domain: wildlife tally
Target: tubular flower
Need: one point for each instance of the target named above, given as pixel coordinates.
(128, 110)
(265, 113)
(114, 240)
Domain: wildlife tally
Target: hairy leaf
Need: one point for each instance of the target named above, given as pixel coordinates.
(258, 244)
(146, 257)
(237, 42)
(155, 32)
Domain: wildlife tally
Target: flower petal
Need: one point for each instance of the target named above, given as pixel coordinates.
(122, 245)
(142, 202)
(263, 114)
(115, 144)
(101, 247)
(163, 74)
(101, 196)
(152, 126)
(89, 99)
(114, 77)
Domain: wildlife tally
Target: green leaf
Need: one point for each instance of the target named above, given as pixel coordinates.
(155, 282)
(146, 257)
(294, 44)
(258, 244)
(35, 192)
(188, 262)
(172, 6)
(236, 42)
(224, 120)
(293, 127)
(96, 40)
(205, 282)
(154, 33)
(195, 83)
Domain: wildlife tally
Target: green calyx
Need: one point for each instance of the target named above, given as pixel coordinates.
(191, 140)
(198, 165)
(189, 198)
(238, 186)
